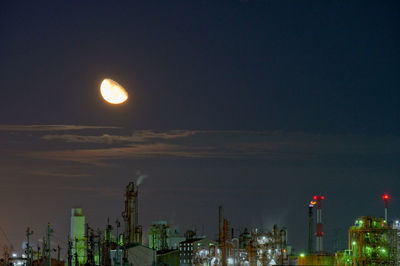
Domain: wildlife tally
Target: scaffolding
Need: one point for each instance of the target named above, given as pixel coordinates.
(372, 242)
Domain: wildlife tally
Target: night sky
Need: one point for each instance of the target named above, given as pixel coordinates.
(255, 105)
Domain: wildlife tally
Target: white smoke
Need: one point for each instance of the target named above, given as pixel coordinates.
(140, 178)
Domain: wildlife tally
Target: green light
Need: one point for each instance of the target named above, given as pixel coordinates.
(354, 243)
(302, 255)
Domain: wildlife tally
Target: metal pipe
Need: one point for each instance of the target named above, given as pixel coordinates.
(310, 228)
(220, 224)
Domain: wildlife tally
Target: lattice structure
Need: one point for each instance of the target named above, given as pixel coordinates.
(373, 242)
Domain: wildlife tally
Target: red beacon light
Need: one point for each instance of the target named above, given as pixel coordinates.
(385, 197)
(318, 197)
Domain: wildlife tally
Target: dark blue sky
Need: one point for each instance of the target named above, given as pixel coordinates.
(275, 100)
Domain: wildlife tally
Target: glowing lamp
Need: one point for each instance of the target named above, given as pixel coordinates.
(385, 197)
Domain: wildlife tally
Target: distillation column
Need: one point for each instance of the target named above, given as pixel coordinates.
(130, 215)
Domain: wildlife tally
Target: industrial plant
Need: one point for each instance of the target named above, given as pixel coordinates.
(371, 241)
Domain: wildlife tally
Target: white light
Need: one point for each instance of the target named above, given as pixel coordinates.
(14, 255)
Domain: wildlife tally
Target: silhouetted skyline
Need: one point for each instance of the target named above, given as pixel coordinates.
(255, 105)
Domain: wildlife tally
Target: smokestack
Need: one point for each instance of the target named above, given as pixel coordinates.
(386, 199)
(310, 226)
(220, 224)
(319, 232)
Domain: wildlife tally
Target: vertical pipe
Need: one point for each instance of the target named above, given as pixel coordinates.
(58, 255)
(386, 210)
(49, 231)
(220, 224)
(310, 228)
(136, 216)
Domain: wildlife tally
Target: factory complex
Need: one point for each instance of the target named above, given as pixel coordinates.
(371, 241)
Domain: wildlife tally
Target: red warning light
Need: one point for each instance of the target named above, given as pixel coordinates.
(322, 197)
(315, 197)
(385, 197)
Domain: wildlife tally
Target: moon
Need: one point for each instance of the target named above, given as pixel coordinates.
(112, 92)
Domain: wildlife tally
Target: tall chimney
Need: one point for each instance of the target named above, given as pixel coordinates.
(386, 199)
(310, 225)
(130, 214)
(319, 232)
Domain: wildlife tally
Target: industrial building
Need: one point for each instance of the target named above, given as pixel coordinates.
(133, 231)
(372, 241)
(317, 256)
(77, 236)
(262, 248)
(258, 247)
(163, 237)
(187, 248)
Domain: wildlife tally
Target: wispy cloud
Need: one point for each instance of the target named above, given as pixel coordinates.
(136, 137)
(143, 144)
(141, 151)
(56, 174)
(51, 127)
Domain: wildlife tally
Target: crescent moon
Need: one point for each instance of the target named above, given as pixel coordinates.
(112, 92)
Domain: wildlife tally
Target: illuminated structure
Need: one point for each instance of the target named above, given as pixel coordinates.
(186, 249)
(319, 233)
(262, 248)
(158, 235)
(244, 239)
(396, 225)
(316, 259)
(133, 231)
(163, 237)
(373, 242)
(344, 258)
(77, 236)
